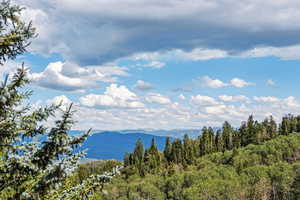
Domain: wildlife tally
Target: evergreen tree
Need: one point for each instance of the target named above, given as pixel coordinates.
(298, 124)
(227, 134)
(168, 150)
(260, 132)
(250, 131)
(219, 144)
(203, 140)
(177, 152)
(138, 153)
(23, 160)
(236, 139)
(154, 159)
(210, 141)
(271, 127)
(15, 34)
(284, 126)
(243, 134)
(126, 159)
(138, 156)
(29, 168)
(188, 149)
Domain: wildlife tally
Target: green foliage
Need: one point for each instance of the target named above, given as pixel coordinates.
(29, 169)
(15, 34)
(269, 171)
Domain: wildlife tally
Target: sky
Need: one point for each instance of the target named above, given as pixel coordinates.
(172, 64)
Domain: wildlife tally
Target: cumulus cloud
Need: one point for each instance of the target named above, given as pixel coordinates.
(215, 110)
(192, 113)
(114, 96)
(206, 81)
(143, 86)
(59, 100)
(129, 27)
(239, 83)
(203, 100)
(237, 98)
(266, 99)
(71, 77)
(157, 98)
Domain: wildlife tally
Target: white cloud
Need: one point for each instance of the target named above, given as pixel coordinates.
(291, 102)
(59, 99)
(271, 83)
(236, 98)
(206, 81)
(266, 99)
(181, 97)
(71, 77)
(9, 68)
(63, 100)
(203, 100)
(114, 96)
(291, 52)
(157, 98)
(143, 86)
(239, 83)
(201, 54)
(202, 111)
(215, 110)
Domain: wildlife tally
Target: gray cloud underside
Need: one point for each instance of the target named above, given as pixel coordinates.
(100, 31)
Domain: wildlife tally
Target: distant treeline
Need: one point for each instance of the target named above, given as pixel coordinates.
(187, 150)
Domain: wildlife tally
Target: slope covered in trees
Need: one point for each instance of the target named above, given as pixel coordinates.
(267, 171)
(189, 169)
(185, 152)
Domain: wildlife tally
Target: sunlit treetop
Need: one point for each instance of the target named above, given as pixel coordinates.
(15, 34)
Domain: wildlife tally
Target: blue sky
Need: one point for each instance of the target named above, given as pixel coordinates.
(178, 64)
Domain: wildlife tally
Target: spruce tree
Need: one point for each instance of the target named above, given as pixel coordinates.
(168, 150)
(227, 134)
(219, 144)
(138, 157)
(29, 168)
(188, 149)
(284, 126)
(15, 34)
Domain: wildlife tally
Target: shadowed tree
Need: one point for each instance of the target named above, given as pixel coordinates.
(30, 167)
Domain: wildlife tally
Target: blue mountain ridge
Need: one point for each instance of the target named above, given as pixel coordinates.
(113, 145)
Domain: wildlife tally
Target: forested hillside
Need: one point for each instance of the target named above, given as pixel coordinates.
(256, 161)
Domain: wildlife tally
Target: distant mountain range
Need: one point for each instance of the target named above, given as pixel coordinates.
(113, 145)
(176, 133)
(104, 145)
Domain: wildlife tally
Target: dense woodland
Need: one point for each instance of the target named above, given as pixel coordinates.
(258, 160)
(186, 151)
